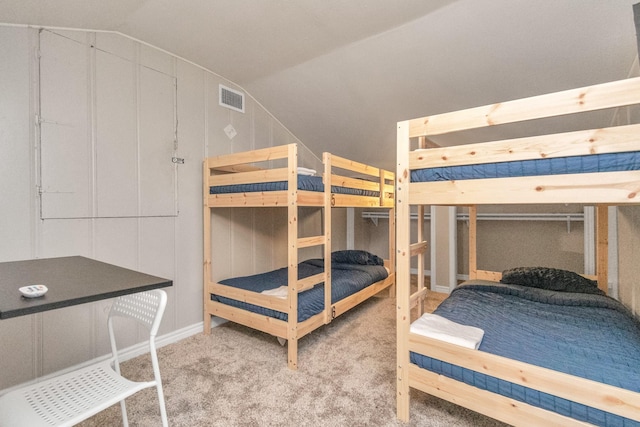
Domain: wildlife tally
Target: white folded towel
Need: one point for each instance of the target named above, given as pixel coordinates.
(435, 326)
(281, 292)
(306, 171)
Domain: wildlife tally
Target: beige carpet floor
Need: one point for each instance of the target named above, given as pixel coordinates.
(239, 377)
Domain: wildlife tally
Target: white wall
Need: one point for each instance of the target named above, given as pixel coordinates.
(109, 188)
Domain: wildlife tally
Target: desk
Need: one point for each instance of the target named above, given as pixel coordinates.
(71, 281)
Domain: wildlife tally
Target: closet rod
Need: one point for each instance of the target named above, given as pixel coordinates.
(578, 216)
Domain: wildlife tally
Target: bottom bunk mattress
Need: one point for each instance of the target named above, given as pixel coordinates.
(347, 278)
(587, 335)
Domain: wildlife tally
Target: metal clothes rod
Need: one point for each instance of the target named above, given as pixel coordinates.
(578, 216)
(565, 217)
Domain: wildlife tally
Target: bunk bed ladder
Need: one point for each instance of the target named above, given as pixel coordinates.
(295, 243)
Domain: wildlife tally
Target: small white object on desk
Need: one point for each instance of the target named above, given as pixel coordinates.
(33, 291)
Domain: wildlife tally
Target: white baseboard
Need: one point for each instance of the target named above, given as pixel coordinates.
(130, 352)
(170, 338)
(441, 289)
(426, 272)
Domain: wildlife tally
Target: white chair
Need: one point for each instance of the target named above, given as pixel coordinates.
(67, 399)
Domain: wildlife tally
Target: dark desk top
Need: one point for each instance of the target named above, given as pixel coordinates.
(71, 280)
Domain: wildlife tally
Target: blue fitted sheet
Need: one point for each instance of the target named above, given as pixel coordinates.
(305, 182)
(609, 162)
(346, 279)
(589, 336)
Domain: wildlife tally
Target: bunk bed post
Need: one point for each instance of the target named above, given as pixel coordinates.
(292, 251)
(403, 271)
(326, 179)
(420, 263)
(392, 251)
(473, 234)
(602, 245)
(392, 227)
(207, 245)
(422, 143)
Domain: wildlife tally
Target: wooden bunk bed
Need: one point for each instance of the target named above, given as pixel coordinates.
(619, 185)
(270, 177)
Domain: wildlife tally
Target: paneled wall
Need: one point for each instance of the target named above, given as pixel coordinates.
(629, 243)
(89, 125)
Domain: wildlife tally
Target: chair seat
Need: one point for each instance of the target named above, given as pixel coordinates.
(67, 399)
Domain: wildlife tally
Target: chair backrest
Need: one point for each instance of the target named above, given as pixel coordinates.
(145, 307)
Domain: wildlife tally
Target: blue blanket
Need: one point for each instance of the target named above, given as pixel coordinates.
(589, 336)
(346, 279)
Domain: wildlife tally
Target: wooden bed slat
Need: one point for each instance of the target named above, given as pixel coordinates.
(309, 198)
(579, 143)
(310, 282)
(345, 305)
(347, 200)
(260, 176)
(310, 325)
(361, 184)
(306, 242)
(418, 296)
(611, 187)
(607, 398)
(496, 406)
(254, 298)
(488, 275)
(235, 169)
(256, 321)
(259, 155)
(606, 95)
(268, 198)
(418, 248)
(342, 163)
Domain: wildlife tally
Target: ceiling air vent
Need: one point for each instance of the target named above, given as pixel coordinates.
(231, 99)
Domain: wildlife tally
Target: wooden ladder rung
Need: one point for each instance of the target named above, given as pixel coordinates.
(305, 242)
(418, 248)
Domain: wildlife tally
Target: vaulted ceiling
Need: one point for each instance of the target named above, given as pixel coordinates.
(340, 73)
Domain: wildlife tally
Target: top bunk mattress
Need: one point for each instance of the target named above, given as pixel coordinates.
(305, 183)
(586, 335)
(607, 162)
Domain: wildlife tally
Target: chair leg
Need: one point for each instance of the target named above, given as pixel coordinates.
(163, 410)
(156, 373)
(123, 408)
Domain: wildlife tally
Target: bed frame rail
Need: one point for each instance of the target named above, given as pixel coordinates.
(606, 95)
(590, 393)
(368, 178)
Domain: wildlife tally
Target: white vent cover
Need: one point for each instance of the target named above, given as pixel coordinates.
(232, 99)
